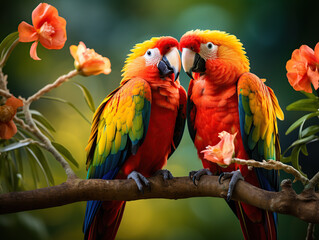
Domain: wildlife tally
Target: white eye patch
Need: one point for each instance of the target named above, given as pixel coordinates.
(152, 56)
(208, 50)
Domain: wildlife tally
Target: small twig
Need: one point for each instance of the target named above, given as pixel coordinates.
(5, 93)
(49, 87)
(32, 141)
(22, 124)
(313, 181)
(310, 232)
(272, 164)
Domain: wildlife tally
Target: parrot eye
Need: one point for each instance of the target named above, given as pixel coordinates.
(210, 45)
(149, 53)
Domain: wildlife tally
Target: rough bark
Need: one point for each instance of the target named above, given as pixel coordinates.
(304, 205)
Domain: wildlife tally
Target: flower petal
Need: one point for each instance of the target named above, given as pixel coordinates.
(33, 51)
(7, 130)
(317, 52)
(313, 77)
(43, 13)
(56, 37)
(14, 102)
(307, 54)
(27, 33)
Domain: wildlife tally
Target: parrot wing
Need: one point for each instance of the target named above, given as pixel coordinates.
(119, 127)
(258, 110)
(191, 112)
(180, 120)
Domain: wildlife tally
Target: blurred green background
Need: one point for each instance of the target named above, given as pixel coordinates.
(269, 30)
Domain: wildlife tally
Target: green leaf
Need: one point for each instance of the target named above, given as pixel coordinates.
(295, 159)
(34, 170)
(285, 159)
(311, 130)
(34, 156)
(14, 146)
(42, 119)
(308, 95)
(66, 102)
(43, 129)
(304, 149)
(305, 140)
(65, 152)
(300, 121)
(43, 161)
(6, 47)
(300, 129)
(87, 96)
(311, 105)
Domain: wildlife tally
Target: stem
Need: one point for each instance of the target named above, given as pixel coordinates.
(313, 182)
(272, 164)
(5, 93)
(49, 87)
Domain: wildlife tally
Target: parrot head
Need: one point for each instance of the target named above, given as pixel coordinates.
(153, 59)
(213, 53)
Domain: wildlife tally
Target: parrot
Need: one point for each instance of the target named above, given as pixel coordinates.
(223, 95)
(136, 128)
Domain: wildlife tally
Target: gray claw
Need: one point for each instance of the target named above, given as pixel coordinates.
(191, 174)
(139, 180)
(234, 177)
(220, 178)
(165, 173)
(196, 175)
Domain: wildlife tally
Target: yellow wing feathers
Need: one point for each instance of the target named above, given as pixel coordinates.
(261, 110)
(119, 116)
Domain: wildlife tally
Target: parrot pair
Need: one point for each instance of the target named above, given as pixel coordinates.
(138, 126)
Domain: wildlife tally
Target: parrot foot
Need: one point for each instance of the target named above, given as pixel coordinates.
(196, 175)
(234, 177)
(165, 173)
(139, 179)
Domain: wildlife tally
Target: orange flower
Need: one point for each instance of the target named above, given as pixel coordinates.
(48, 29)
(88, 62)
(7, 127)
(223, 151)
(303, 69)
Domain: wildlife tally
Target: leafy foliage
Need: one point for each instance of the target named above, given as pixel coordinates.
(306, 135)
(23, 155)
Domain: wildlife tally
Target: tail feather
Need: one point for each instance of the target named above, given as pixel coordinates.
(262, 229)
(106, 221)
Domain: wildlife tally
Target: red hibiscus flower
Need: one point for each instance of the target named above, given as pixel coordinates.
(48, 29)
(303, 68)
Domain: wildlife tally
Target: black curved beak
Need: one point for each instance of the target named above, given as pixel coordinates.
(192, 62)
(169, 64)
(199, 64)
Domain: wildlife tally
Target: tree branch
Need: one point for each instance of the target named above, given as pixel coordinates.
(304, 205)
